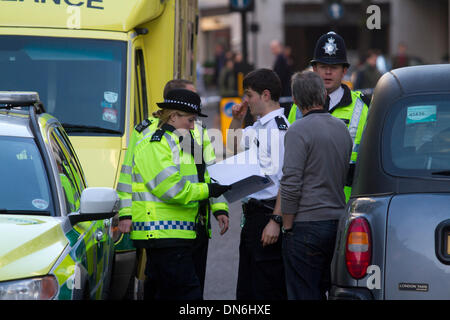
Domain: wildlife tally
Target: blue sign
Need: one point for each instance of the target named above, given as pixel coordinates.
(227, 108)
(241, 5)
(335, 10)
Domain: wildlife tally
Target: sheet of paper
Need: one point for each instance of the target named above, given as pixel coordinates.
(236, 168)
(242, 172)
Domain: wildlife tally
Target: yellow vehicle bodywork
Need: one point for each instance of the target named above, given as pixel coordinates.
(165, 31)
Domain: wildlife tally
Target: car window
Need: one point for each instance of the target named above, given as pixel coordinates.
(24, 186)
(73, 160)
(68, 181)
(417, 136)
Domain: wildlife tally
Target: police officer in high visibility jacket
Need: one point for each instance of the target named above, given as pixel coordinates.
(330, 62)
(168, 188)
(217, 206)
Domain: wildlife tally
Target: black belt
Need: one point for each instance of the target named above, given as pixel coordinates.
(258, 204)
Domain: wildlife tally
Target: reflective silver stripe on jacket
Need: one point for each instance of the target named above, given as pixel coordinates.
(126, 169)
(145, 196)
(174, 190)
(354, 122)
(174, 148)
(124, 203)
(163, 225)
(160, 177)
(124, 187)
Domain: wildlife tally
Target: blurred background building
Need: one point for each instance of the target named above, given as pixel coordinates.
(418, 27)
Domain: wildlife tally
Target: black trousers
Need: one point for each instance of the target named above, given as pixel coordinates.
(172, 270)
(200, 254)
(199, 257)
(261, 273)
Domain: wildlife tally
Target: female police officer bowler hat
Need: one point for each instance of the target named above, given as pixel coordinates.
(330, 49)
(183, 100)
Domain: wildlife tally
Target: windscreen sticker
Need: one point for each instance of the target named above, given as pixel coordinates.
(111, 97)
(421, 114)
(109, 115)
(105, 104)
(40, 204)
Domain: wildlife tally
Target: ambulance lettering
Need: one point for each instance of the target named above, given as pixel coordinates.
(90, 4)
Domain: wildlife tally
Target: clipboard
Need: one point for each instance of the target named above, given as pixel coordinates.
(247, 186)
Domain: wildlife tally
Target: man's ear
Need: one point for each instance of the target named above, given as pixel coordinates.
(345, 70)
(266, 95)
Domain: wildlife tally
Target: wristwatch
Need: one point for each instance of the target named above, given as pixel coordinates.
(284, 230)
(276, 218)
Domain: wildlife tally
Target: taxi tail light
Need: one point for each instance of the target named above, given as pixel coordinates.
(358, 248)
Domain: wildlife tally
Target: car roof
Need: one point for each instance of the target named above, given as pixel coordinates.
(424, 78)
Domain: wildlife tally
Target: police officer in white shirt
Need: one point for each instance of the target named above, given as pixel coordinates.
(261, 271)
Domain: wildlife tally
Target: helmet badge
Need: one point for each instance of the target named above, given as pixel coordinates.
(330, 47)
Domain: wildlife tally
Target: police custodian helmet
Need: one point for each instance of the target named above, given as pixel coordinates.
(330, 49)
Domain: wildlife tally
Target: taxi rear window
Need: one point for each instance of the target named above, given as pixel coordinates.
(416, 137)
(24, 187)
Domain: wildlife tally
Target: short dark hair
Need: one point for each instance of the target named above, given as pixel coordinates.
(176, 84)
(264, 79)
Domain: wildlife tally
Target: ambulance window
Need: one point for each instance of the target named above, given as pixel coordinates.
(82, 82)
(141, 109)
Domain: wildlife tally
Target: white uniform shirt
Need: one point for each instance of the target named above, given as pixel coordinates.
(335, 97)
(267, 141)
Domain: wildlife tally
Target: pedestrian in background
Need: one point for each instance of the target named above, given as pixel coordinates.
(228, 80)
(317, 154)
(281, 67)
(261, 273)
(368, 74)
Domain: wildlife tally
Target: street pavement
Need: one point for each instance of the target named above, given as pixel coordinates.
(223, 251)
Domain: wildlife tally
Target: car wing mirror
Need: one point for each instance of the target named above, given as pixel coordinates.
(96, 204)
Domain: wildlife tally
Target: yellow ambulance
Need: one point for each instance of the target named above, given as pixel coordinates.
(99, 66)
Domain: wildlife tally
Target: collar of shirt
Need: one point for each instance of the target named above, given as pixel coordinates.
(345, 100)
(335, 97)
(271, 115)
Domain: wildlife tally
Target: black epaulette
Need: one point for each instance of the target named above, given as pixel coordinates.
(157, 136)
(282, 125)
(144, 124)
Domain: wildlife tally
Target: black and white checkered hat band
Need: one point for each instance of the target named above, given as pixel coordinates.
(182, 103)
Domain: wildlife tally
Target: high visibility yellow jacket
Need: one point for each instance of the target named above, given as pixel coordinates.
(165, 190)
(353, 111)
(144, 131)
(124, 185)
